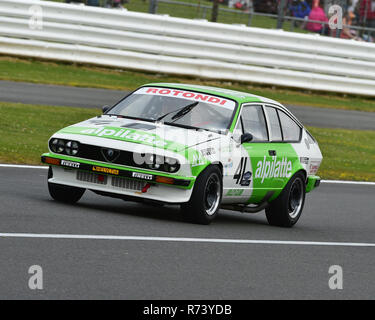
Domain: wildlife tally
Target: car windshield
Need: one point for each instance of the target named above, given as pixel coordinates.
(177, 107)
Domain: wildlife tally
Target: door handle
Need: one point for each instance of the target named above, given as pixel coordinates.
(272, 152)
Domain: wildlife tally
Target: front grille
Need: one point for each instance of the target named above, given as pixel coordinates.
(95, 153)
(91, 177)
(127, 183)
(123, 157)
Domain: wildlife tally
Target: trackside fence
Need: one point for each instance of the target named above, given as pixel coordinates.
(157, 43)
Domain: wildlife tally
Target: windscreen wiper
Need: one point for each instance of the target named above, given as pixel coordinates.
(130, 117)
(180, 112)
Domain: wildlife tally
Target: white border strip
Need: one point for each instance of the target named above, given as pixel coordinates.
(3, 165)
(349, 182)
(323, 181)
(176, 239)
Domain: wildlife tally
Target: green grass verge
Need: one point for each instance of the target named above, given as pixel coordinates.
(25, 129)
(17, 69)
(347, 154)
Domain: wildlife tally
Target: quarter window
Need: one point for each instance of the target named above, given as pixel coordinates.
(291, 130)
(274, 123)
(253, 122)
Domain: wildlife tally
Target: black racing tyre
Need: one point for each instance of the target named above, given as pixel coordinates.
(287, 208)
(62, 193)
(205, 200)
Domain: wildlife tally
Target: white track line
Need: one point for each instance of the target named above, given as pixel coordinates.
(21, 166)
(323, 181)
(176, 239)
(349, 182)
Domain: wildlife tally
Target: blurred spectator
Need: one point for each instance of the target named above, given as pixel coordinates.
(93, 3)
(347, 32)
(300, 8)
(367, 13)
(266, 6)
(317, 14)
(118, 4)
(353, 5)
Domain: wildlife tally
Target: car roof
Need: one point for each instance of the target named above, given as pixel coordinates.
(239, 96)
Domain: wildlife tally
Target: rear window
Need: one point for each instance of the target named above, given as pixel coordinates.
(291, 130)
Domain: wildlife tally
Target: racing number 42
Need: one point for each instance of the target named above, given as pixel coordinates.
(242, 176)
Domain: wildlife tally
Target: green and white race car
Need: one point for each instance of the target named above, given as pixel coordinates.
(203, 148)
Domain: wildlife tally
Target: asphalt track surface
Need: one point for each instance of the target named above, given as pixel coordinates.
(123, 267)
(94, 98)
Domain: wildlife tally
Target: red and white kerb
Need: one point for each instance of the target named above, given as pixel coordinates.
(188, 95)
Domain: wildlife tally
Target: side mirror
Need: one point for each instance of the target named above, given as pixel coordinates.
(246, 137)
(105, 109)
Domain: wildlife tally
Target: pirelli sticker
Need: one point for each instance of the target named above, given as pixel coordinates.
(106, 170)
(71, 164)
(143, 176)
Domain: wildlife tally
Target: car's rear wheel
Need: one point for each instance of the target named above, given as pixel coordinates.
(286, 210)
(62, 193)
(205, 200)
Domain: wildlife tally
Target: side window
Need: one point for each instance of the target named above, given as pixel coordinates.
(274, 124)
(253, 122)
(291, 130)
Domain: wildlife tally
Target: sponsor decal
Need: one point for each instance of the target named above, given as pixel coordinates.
(197, 160)
(304, 160)
(235, 192)
(273, 169)
(124, 134)
(105, 170)
(314, 167)
(70, 164)
(194, 96)
(208, 151)
(142, 176)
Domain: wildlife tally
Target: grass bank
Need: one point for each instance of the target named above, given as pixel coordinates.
(16, 69)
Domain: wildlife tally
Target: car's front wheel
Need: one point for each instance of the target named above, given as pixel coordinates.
(62, 193)
(205, 200)
(287, 208)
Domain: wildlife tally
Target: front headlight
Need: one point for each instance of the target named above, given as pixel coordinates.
(71, 148)
(155, 162)
(57, 145)
(53, 145)
(171, 164)
(167, 164)
(68, 147)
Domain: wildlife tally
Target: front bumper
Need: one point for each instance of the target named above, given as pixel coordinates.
(159, 187)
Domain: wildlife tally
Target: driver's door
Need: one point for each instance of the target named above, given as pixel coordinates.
(240, 182)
